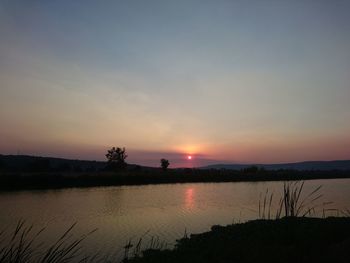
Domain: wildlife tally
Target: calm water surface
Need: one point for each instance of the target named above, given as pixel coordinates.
(166, 211)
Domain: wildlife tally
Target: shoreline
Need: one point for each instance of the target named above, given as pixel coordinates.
(290, 239)
(50, 181)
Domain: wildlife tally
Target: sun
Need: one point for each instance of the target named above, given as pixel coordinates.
(189, 157)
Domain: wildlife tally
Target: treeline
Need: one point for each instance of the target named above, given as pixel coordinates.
(29, 172)
(34, 164)
(138, 175)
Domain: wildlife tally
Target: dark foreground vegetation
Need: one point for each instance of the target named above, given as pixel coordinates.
(289, 239)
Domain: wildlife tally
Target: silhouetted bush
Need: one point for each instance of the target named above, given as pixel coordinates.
(116, 158)
(164, 163)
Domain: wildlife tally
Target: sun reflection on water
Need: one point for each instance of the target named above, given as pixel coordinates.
(189, 198)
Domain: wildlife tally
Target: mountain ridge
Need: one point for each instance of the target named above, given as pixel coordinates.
(304, 165)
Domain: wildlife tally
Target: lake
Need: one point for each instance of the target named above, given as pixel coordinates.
(128, 212)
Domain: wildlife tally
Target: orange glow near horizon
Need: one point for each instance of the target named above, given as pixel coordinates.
(189, 149)
(189, 157)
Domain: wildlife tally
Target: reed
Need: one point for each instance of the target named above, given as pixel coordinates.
(292, 203)
(22, 245)
(135, 250)
(265, 205)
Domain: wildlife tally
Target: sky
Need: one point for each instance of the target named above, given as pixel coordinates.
(223, 81)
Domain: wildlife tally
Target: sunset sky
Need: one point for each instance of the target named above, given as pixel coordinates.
(224, 81)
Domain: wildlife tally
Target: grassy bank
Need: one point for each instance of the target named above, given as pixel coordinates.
(53, 180)
(290, 239)
(284, 240)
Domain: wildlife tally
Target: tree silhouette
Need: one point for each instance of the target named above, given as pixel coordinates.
(164, 163)
(116, 158)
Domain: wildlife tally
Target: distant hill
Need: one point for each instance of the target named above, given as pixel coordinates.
(36, 163)
(301, 166)
(44, 164)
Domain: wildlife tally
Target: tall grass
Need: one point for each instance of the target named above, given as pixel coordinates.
(265, 205)
(22, 245)
(134, 250)
(292, 203)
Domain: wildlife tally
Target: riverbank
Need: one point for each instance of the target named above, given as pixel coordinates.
(284, 240)
(287, 240)
(10, 181)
